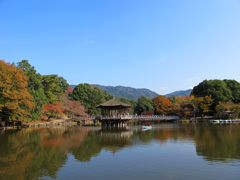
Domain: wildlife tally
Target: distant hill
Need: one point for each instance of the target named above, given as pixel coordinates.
(134, 93)
(178, 93)
(126, 92)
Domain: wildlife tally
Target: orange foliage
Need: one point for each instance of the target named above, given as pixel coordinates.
(62, 139)
(182, 99)
(15, 100)
(15, 170)
(54, 142)
(163, 104)
(179, 110)
(182, 106)
(204, 103)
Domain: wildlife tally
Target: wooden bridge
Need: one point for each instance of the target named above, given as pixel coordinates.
(91, 120)
(116, 117)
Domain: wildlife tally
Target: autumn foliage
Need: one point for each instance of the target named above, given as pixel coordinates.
(74, 108)
(52, 110)
(163, 104)
(64, 107)
(15, 100)
(147, 114)
(69, 90)
(204, 104)
(71, 107)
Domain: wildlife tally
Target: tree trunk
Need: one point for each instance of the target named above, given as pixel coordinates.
(49, 118)
(6, 123)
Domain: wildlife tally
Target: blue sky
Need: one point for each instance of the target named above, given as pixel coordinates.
(162, 45)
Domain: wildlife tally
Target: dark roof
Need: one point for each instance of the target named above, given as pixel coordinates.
(113, 103)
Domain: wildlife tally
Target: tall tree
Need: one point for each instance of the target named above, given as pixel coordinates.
(163, 104)
(63, 84)
(35, 88)
(204, 104)
(15, 100)
(52, 88)
(218, 89)
(234, 86)
(182, 106)
(144, 105)
(52, 110)
(107, 96)
(131, 102)
(71, 107)
(89, 96)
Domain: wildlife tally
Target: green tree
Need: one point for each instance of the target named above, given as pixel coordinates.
(234, 86)
(173, 99)
(218, 89)
(144, 105)
(131, 102)
(35, 88)
(107, 96)
(89, 96)
(52, 88)
(63, 84)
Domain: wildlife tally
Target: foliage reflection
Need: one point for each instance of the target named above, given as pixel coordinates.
(34, 153)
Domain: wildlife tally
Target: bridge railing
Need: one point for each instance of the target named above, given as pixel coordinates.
(155, 117)
(115, 117)
(86, 118)
(129, 117)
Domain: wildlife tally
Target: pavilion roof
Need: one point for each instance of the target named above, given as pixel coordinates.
(114, 103)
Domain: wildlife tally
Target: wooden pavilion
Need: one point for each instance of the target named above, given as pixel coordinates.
(114, 113)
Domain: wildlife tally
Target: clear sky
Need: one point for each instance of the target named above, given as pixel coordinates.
(162, 45)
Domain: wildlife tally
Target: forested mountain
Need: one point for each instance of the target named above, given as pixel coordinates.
(126, 92)
(178, 93)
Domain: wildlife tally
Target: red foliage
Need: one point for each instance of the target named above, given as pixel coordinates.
(73, 108)
(43, 117)
(52, 110)
(147, 114)
(69, 90)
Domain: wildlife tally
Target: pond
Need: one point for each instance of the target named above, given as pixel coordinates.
(167, 151)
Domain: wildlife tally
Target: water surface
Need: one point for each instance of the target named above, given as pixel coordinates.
(168, 151)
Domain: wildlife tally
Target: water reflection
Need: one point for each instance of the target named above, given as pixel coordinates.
(34, 153)
(218, 142)
(115, 139)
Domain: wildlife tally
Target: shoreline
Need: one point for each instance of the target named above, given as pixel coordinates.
(52, 123)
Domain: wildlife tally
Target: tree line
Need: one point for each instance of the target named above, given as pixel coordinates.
(211, 97)
(25, 95)
(219, 98)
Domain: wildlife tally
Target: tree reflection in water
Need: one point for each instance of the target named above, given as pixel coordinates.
(35, 153)
(218, 142)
